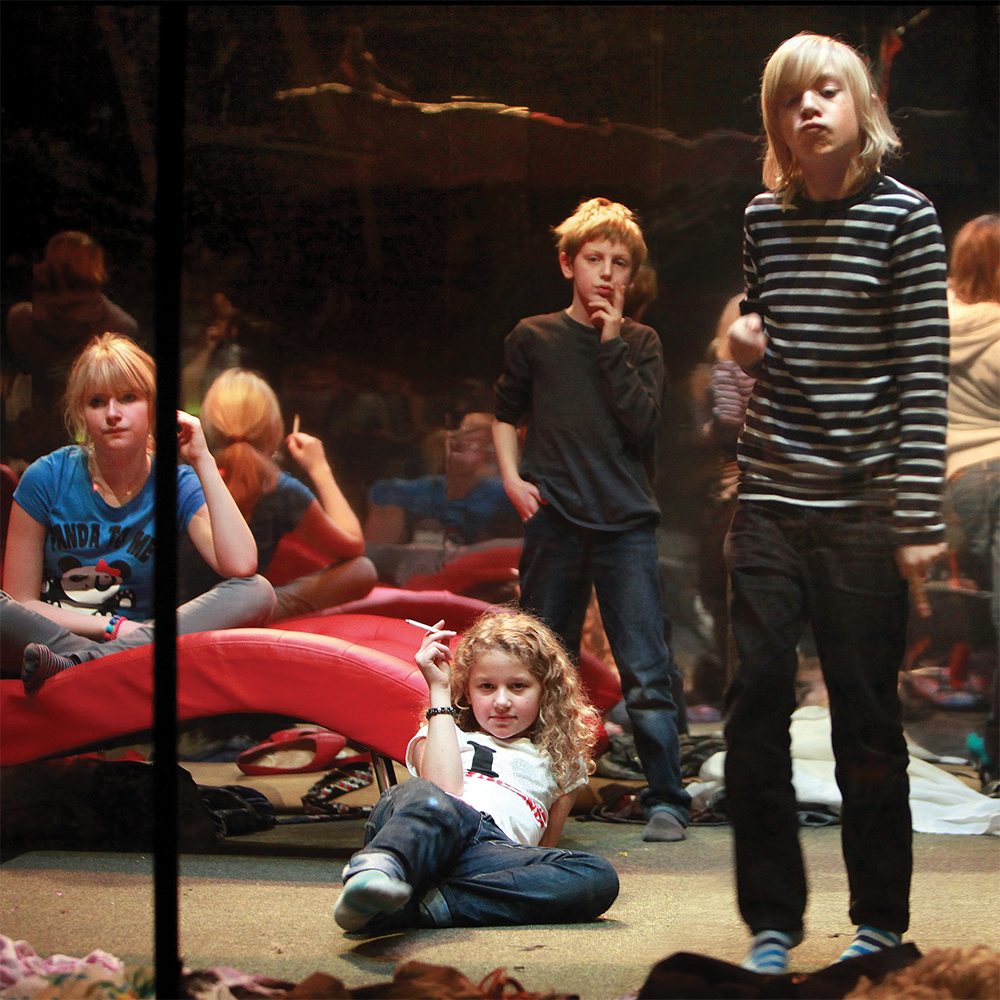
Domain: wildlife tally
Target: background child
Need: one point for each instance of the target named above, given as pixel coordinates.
(244, 428)
(974, 432)
(68, 308)
(590, 383)
(841, 459)
(508, 738)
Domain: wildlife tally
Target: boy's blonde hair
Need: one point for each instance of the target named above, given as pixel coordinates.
(601, 219)
(111, 364)
(566, 727)
(974, 269)
(243, 426)
(795, 65)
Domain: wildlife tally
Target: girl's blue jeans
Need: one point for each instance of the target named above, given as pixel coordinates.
(836, 569)
(466, 872)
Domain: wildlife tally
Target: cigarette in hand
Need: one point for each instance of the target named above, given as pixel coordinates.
(426, 628)
(295, 424)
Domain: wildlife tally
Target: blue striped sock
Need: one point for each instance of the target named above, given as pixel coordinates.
(368, 894)
(870, 939)
(769, 952)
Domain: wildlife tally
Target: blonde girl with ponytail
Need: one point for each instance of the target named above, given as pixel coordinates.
(244, 429)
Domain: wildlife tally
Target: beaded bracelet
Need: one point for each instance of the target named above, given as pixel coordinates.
(111, 629)
(453, 712)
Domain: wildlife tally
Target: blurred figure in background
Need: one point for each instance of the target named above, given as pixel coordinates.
(244, 428)
(465, 505)
(974, 429)
(728, 393)
(44, 336)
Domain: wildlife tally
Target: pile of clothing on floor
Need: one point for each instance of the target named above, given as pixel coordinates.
(900, 973)
(100, 976)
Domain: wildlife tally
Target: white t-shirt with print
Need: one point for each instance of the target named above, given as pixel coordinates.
(511, 780)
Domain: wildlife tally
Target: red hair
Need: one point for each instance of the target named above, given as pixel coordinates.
(974, 269)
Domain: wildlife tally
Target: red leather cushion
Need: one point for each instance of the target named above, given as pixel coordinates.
(370, 696)
(493, 563)
(601, 683)
(389, 635)
(391, 602)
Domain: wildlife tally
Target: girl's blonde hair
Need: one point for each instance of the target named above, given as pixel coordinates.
(974, 268)
(243, 427)
(566, 727)
(111, 364)
(795, 65)
(601, 219)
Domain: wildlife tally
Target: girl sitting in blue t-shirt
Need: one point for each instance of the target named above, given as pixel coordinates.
(79, 563)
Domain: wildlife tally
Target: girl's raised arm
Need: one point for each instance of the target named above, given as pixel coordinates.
(331, 525)
(437, 757)
(218, 529)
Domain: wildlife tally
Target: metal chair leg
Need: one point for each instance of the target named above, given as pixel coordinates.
(385, 773)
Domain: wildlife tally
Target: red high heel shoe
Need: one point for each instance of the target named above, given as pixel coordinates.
(295, 753)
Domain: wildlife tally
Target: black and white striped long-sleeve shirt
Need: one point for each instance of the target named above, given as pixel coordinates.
(850, 405)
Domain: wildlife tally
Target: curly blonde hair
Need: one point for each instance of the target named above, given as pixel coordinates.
(939, 974)
(566, 727)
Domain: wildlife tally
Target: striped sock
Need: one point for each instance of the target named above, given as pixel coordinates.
(769, 952)
(369, 894)
(40, 663)
(869, 939)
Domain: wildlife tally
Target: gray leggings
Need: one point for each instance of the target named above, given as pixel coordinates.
(242, 602)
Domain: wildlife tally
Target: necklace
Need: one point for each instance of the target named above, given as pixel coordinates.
(101, 484)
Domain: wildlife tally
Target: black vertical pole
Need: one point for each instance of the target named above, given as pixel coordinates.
(168, 235)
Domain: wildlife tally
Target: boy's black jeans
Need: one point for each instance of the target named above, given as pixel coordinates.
(837, 569)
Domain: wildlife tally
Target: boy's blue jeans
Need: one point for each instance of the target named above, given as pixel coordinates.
(837, 569)
(468, 873)
(558, 562)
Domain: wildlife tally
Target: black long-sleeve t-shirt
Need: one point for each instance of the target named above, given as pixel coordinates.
(592, 411)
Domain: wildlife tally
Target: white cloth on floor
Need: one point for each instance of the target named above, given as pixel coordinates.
(939, 801)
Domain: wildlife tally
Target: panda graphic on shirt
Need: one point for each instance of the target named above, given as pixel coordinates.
(97, 590)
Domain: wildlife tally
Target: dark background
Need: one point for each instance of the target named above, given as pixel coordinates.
(328, 219)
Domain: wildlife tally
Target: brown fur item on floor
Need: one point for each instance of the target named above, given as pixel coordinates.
(941, 974)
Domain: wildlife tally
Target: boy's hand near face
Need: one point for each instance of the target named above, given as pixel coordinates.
(606, 314)
(747, 342)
